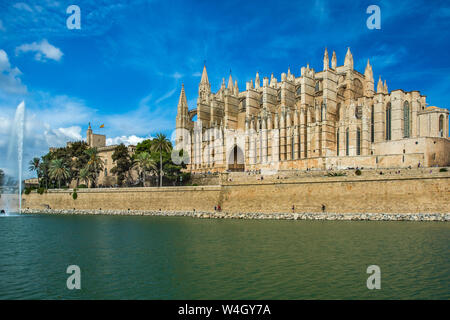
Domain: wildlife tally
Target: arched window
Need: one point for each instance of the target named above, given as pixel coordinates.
(317, 86)
(358, 87)
(406, 119)
(358, 141)
(244, 103)
(358, 112)
(441, 125)
(347, 147)
(106, 172)
(337, 142)
(372, 125)
(388, 121)
(299, 90)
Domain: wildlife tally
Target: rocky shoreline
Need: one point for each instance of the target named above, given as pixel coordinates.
(257, 216)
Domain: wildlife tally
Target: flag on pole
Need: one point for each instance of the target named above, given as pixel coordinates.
(102, 126)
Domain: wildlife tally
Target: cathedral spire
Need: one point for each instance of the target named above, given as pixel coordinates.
(326, 60)
(348, 59)
(257, 81)
(204, 87)
(368, 73)
(334, 61)
(380, 88)
(182, 102)
(385, 87)
(223, 84)
(204, 76)
(272, 80)
(236, 88)
(230, 82)
(182, 110)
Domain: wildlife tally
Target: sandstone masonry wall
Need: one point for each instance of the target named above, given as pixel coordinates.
(351, 194)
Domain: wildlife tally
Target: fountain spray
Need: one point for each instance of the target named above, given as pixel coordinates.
(16, 140)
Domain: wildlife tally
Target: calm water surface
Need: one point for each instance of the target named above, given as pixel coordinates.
(130, 257)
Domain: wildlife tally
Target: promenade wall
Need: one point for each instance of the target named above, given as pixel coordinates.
(368, 193)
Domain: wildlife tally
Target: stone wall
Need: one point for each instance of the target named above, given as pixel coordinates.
(426, 193)
(165, 198)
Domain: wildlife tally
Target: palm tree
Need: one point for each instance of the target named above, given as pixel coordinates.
(94, 164)
(58, 171)
(34, 165)
(160, 144)
(43, 169)
(144, 163)
(85, 175)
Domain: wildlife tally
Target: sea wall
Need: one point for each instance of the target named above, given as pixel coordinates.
(152, 198)
(403, 194)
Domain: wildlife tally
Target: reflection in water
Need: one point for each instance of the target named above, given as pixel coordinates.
(183, 258)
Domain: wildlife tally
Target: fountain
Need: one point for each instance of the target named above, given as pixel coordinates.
(16, 145)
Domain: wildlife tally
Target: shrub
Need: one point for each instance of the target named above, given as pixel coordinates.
(74, 195)
(194, 185)
(336, 174)
(27, 190)
(358, 172)
(443, 170)
(82, 186)
(41, 190)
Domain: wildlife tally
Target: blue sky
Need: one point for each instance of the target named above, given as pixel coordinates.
(124, 68)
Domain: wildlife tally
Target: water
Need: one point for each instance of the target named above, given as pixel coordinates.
(15, 147)
(130, 257)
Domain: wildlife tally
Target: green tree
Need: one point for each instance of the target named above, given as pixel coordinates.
(123, 163)
(94, 164)
(144, 146)
(144, 163)
(77, 158)
(34, 165)
(85, 176)
(43, 169)
(173, 173)
(160, 144)
(58, 171)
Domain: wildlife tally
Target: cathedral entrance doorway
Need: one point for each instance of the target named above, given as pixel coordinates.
(236, 160)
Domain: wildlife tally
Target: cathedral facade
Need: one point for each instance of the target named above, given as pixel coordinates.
(317, 120)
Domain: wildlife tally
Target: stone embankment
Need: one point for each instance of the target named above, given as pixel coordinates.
(256, 216)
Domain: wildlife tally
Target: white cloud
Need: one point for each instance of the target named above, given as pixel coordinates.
(127, 140)
(177, 75)
(43, 49)
(166, 95)
(10, 77)
(59, 137)
(22, 6)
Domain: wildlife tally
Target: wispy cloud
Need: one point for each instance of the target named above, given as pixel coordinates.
(126, 140)
(43, 50)
(22, 6)
(166, 96)
(10, 81)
